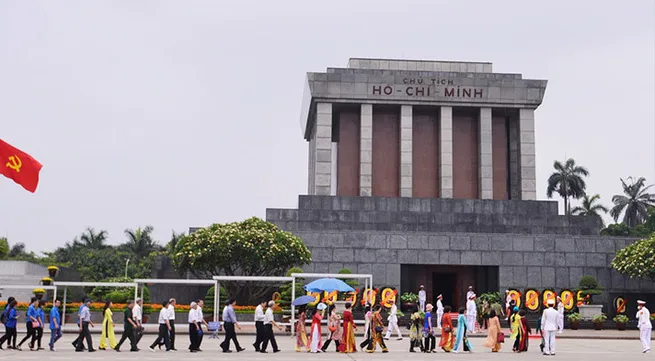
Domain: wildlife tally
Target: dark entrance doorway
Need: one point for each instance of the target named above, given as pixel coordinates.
(451, 281)
(446, 285)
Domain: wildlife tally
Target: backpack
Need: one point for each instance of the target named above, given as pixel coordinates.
(3, 317)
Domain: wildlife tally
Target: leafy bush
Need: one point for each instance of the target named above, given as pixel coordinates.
(589, 287)
(409, 297)
(599, 318)
(209, 299)
(285, 289)
(621, 319)
(118, 294)
(574, 317)
(637, 260)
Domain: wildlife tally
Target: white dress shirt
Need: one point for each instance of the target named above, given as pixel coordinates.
(422, 295)
(163, 316)
(136, 313)
(199, 316)
(439, 306)
(549, 319)
(268, 317)
(193, 315)
(259, 313)
(171, 312)
(560, 308)
(469, 294)
(643, 319)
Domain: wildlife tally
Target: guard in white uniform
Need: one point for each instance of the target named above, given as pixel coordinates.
(393, 322)
(560, 310)
(422, 297)
(549, 326)
(469, 293)
(439, 310)
(471, 314)
(644, 325)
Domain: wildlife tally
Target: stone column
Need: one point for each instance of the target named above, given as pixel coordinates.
(406, 151)
(485, 159)
(446, 150)
(323, 154)
(366, 151)
(527, 155)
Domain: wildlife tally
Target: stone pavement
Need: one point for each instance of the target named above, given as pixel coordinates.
(567, 349)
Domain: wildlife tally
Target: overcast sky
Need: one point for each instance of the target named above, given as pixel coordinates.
(185, 113)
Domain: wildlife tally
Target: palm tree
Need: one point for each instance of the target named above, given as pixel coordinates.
(140, 242)
(567, 181)
(175, 237)
(635, 202)
(590, 208)
(93, 240)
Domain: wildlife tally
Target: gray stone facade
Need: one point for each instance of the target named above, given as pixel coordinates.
(531, 245)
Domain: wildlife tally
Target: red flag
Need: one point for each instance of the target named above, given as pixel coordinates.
(19, 166)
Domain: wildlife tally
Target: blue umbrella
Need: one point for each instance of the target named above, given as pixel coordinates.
(303, 300)
(328, 285)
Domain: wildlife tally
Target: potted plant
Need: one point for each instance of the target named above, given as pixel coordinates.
(38, 293)
(53, 271)
(598, 321)
(408, 301)
(46, 281)
(574, 320)
(621, 322)
(588, 287)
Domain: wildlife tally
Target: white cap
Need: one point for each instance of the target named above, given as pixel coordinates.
(640, 302)
(440, 296)
(421, 286)
(551, 302)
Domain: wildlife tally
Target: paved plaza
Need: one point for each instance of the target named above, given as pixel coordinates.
(567, 349)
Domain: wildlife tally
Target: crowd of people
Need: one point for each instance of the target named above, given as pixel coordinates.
(341, 328)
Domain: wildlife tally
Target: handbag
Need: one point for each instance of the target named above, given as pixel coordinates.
(447, 329)
(379, 329)
(501, 337)
(36, 324)
(332, 328)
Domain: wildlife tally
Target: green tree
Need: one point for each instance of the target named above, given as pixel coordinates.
(637, 260)
(634, 203)
(285, 289)
(175, 238)
(4, 248)
(91, 239)
(140, 243)
(249, 248)
(567, 181)
(589, 207)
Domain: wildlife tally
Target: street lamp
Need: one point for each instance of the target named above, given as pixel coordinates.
(126, 263)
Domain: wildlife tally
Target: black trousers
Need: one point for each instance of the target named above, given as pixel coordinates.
(162, 338)
(259, 326)
(367, 340)
(269, 336)
(10, 333)
(430, 342)
(138, 333)
(84, 334)
(128, 333)
(230, 335)
(31, 333)
(39, 335)
(193, 337)
(172, 322)
(326, 344)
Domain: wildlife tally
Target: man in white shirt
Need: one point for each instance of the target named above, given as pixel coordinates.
(201, 321)
(471, 313)
(393, 321)
(644, 325)
(259, 325)
(560, 319)
(171, 321)
(137, 315)
(164, 329)
(549, 327)
(194, 327)
(422, 298)
(269, 322)
(439, 310)
(470, 293)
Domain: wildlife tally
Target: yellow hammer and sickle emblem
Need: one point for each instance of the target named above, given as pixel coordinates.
(14, 163)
